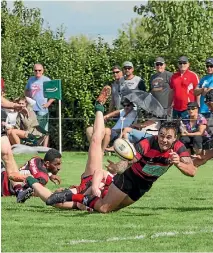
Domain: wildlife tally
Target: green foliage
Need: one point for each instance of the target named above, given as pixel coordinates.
(81, 64)
(163, 28)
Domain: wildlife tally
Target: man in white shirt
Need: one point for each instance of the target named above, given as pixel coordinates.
(125, 117)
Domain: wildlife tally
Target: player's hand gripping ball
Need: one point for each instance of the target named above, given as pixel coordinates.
(124, 149)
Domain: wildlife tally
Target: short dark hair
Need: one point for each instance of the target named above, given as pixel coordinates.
(51, 155)
(174, 124)
(116, 67)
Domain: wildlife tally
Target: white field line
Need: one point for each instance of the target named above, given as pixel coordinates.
(139, 237)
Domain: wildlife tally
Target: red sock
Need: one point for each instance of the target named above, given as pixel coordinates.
(78, 198)
(92, 203)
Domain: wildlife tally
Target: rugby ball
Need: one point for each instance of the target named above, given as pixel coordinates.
(124, 149)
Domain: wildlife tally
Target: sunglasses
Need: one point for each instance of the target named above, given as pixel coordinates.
(116, 72)
(182, 62)
(128, 68)
(209, 66)
(126, 105)
(37, 70)
(158, 64)
(191, 108)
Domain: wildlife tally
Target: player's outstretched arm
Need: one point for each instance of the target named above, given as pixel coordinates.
(186, 166)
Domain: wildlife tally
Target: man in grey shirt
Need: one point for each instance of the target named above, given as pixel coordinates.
(159, 82)
(115, 98)
(129, 80)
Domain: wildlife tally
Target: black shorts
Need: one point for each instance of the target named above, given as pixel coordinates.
(131, 184)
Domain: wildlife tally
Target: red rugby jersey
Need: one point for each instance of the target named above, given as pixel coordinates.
(152, 162)
(36, 168)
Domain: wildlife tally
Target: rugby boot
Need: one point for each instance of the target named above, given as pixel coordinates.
(59, 197)
(104, 95)
(23, 195)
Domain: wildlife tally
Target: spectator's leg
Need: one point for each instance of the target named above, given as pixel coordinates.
(106, 139)
(136, 135)
(175, 114)
(15, 135)
(198, 144)
(89, 133)
(187, 141)
(43, 120)
(183, 114)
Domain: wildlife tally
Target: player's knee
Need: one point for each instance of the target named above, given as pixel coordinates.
(104, 209)
(6, 149)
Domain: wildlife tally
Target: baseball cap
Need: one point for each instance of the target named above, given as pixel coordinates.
(209, 61)
(159, 59)
(127, 64)
(209, 96)
(183, 58)
(192, 104)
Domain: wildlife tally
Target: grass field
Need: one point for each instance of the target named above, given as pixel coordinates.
(176, 215)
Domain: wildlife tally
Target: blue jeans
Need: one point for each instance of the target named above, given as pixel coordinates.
(136, 135)
(179, 114)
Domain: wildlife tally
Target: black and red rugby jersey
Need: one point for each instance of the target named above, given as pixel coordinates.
(152, 162)
(36, 168)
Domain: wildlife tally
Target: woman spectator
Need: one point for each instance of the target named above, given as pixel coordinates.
(26, 124)
(193, 132)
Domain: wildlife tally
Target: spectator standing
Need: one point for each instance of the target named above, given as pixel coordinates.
(34, 90)
(183, 83)
(115, 99)
(159, 82)
(205, 84)
(129, 80)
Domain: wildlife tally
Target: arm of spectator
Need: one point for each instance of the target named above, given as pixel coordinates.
(125, 131)
(198, 91)
(142, 85)
(170, 101)
(206, 90)
(50, 101)
(200, 132)
(112, 114)
(27, 93)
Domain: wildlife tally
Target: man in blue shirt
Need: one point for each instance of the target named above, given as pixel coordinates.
(205, 84)
(34, 90)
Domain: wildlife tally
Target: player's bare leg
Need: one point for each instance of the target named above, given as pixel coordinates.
(95, 155)
(44, 193)
(7, 156)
